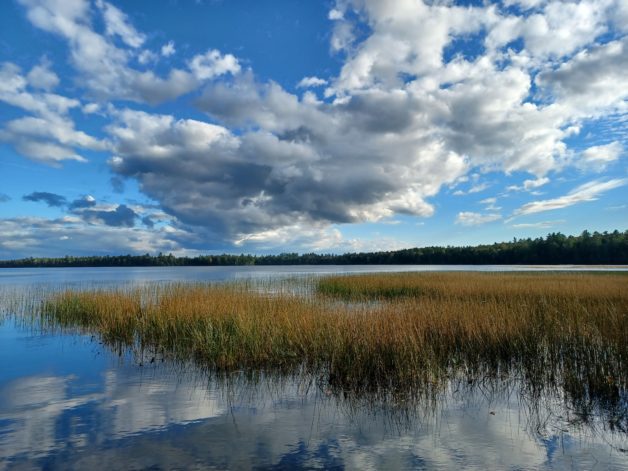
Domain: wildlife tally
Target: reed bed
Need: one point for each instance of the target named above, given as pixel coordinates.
(385, 333)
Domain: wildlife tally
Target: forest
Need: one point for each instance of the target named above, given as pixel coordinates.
(598, 248)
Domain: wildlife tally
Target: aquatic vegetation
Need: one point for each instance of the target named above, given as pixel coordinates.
(391, 335)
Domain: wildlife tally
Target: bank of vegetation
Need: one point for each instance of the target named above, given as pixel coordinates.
(556, 248)
(387, 334)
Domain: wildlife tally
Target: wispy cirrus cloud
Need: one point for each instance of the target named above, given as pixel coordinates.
(587, 192)
(468, 218)
(539, 225)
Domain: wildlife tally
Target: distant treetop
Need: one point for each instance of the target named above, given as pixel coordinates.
(606, 248)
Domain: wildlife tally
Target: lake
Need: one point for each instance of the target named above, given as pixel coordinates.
(115, 275)
(68, 402)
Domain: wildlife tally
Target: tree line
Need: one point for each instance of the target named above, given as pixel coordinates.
(556, 248)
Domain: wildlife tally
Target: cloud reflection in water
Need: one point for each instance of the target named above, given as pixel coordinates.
(125, 416)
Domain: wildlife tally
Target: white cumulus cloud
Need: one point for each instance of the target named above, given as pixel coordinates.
(213, 64)
(308, 82)
(603, 153)
(168, 49)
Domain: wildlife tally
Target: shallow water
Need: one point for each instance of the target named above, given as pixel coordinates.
(138, 275)
(67, 402)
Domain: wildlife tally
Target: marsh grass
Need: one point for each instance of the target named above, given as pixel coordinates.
(391, 335)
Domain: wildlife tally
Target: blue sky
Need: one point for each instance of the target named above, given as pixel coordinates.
(354, 125)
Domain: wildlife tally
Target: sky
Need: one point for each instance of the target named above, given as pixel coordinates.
(259, 126)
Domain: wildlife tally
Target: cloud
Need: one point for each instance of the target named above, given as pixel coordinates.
(477, 188)
(49, 136)
(168, 49)
(530, 184)
(112, 215)
(467, 218)
(4, 198)
(213, 64)
(56, 130)
(148, 222)
(398, 107)
(587, 192)
(539, 225)
(42, 77)
(426, 92)
(104, 66)
(90, 108)
(309, 237)
(29, 236)
(121, 216)
(117, 24)
(86, 201)
(594, 81)
(556, 29)
(485, 117)
(51, 199)
(406, 38)
(490, 111)
(87, 209)
(335, 14)
(146, 57)
(490, 204)
(45, 152)
(308, 164)
(308, 82)
(604, 153)
(14, 91)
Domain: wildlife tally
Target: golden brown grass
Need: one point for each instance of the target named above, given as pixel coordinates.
(384, 332)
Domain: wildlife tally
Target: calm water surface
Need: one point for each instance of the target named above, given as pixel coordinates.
(116, 275)
(66, 402)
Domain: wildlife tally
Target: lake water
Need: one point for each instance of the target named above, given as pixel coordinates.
(140, 275)
(67, 402)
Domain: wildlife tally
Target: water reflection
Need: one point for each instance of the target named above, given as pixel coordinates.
(142, 275)
(77, 406)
